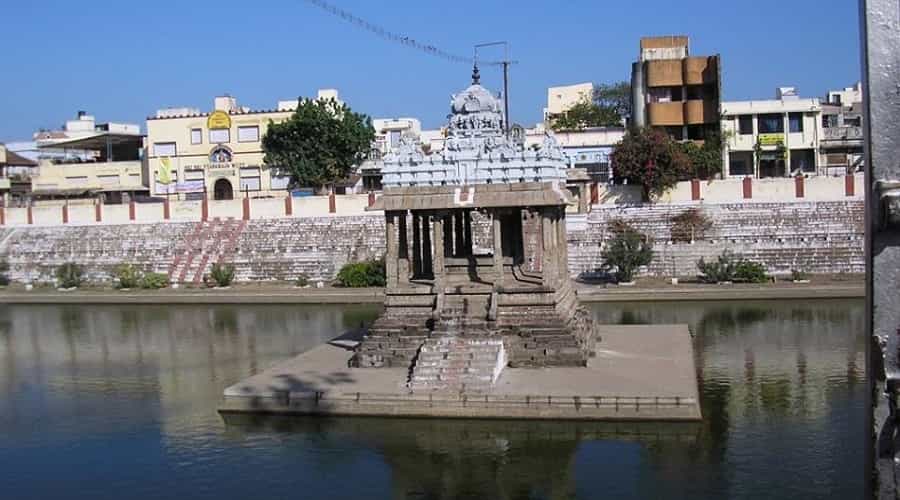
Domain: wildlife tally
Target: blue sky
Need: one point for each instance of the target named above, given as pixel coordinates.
(122, 60)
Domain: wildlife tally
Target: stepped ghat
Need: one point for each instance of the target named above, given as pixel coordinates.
(481, 319)
(512, 302)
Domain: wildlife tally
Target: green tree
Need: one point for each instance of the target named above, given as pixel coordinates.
(627, 251)
(608, 106)
(649, 158)
(705, 159)
(319, 144)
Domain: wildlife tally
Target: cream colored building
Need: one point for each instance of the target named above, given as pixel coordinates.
(561, 99)
(218, 152)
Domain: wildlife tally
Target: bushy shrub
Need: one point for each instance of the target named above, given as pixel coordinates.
(729, 267)
(302, 280)
(4, 269)
(362, 274)
(222, 274)
(154, 281)
(721, 270)
(627, 251)
(750, 272)
(127, 276)
(69, 275)
(690, 225)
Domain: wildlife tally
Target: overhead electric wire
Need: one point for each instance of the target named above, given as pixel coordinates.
(394, 37)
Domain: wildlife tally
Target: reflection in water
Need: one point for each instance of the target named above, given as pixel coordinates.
(108, 399)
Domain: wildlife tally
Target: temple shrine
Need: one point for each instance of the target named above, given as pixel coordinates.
(476, 257)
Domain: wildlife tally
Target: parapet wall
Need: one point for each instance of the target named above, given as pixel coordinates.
(816, 237)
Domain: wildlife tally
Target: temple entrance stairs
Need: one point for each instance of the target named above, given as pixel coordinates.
(210, 242)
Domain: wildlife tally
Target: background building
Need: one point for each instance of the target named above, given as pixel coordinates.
(217, 152)
(561, 99)
(676, 92)
(772, 138)
(841, 144)
(590, 148)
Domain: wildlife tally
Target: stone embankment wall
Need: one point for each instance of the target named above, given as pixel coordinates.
(816, 237)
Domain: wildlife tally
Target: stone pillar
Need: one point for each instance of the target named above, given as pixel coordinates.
(246, 209)
(548, 266)
(288, 205)
(166, 212)
(65, 212)
(371, 198)
(498, 249)
(30, 213)
(595, 193)
(2, 215)
(403, 250)
(427, 261)
(98, 211)
(132, 210)
(204, 208)
(799, 190)
(332, 203)
(562, 245)
(849, 185)
(392, 247)
(448, 234)
(583, 198)
(417, 245)
(438, 232)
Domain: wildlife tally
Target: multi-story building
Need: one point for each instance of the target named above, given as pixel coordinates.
(841, 144)
(86, 159)
(217, 152)
(675, 91)
(772, 138)
(561, 99)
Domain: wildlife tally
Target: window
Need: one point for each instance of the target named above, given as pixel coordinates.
(771, 124)
(745, 124)
(696, 132)
(196, 136)
(280, 182)
(696, 92)
(249, 183)
(675, 133)
(795, 122)
(219, 135)
(802, 160)
(164, 149)
(248, 134)
(665, 94)
(740, 164)
(394, 138)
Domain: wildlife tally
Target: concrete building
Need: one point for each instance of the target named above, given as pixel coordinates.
(841, 144)
(772, 138)
(674, 91)
(86, 159)
(217, 152)
(561, 99)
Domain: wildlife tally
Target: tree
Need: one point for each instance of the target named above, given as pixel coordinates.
(615, 97)
(319, 144)
(627, 251)
(705, 159)
(608, 106)
(649, 158)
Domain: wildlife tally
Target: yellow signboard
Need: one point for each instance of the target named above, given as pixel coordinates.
(771, 139)
(218, 120)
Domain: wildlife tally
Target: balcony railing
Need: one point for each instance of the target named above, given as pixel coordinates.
(843, 134)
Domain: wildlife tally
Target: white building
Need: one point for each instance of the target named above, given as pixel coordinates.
(841, 145)
(772, 138)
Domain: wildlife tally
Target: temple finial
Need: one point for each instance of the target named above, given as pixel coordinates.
(476, 78)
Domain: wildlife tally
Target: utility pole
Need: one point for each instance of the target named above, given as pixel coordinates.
(506, 63)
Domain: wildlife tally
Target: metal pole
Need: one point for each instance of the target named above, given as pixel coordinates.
(506, 96)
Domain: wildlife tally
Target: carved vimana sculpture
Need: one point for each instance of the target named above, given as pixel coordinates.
(476, 257)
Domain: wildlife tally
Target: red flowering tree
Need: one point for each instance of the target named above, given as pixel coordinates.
(649, 158)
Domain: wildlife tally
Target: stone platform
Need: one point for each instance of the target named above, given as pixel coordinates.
(639, 373)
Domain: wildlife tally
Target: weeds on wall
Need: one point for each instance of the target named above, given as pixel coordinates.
(628, 250)
(690, 225)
